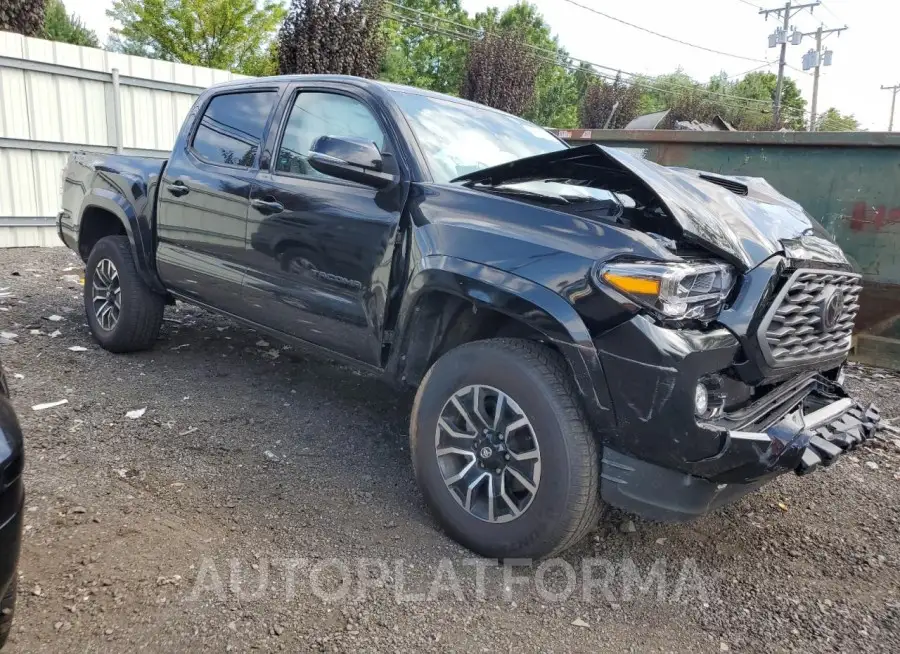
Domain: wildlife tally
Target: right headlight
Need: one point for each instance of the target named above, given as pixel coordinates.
(672, 291)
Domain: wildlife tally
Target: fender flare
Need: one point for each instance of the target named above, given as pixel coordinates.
(139, 232)
(526, 301)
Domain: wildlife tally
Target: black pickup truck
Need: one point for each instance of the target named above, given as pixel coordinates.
(582, 325)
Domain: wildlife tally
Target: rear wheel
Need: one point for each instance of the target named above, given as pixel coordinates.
(503, 452)
(123, 313)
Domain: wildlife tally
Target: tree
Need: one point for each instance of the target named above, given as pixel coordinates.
(556, 94)
(22, 16)
(342, 37)
(616, 102)
(427, 49)
(746, 104)
(67, 28)
(226, 34)
(761, 86)
(501, 72)
(833, 120)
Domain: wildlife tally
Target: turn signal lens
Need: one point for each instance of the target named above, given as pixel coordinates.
(632, 284)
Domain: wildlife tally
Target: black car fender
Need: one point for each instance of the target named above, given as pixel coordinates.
(527, 302)
(137, 228)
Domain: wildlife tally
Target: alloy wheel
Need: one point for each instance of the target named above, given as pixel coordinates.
(106, 297)
(488, 453)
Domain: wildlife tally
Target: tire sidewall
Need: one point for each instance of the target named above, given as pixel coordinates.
(104, 249)
(537, 530)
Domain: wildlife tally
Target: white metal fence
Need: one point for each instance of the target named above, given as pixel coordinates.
(56, 98)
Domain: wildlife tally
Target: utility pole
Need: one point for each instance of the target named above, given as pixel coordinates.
(780, 36)
(816, 58)
(894, 90)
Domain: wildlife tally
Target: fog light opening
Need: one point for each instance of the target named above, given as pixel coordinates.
(701, 399)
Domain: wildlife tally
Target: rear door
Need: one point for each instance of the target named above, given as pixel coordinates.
(322, 247)
(204, 196)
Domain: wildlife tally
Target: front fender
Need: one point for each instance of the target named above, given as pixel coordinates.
(137, 228)
(523, 300)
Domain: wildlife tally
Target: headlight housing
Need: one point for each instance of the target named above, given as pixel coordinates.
(672, 291)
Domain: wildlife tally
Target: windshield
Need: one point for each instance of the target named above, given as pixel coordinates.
(458, 138)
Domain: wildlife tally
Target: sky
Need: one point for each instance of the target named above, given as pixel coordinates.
(864, 56)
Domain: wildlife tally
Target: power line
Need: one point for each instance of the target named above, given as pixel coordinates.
(747, 72)
(750, 4)
(836, 17)
(662, 36)
(556, 60)
(435, 16)
(781, 36)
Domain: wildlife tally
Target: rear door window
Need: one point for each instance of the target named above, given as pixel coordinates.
(232, 128)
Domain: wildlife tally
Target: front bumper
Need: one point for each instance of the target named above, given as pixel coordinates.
(800, 442)
(66, 231)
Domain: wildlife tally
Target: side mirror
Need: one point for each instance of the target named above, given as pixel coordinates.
(353, 159)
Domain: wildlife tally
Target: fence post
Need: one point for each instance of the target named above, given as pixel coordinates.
(117, 109)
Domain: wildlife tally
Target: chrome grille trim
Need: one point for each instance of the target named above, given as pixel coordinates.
(790, 332)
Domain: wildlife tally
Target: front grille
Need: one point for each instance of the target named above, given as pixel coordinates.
(811, 318)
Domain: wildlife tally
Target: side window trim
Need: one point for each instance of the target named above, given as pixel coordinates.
(294, 94)
(201, 114)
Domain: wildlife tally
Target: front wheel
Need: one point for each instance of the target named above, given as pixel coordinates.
(503, 452)
(124, 314)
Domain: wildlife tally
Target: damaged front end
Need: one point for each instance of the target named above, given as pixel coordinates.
(720, 389)
(825, 425)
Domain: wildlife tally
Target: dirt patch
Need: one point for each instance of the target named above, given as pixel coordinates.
(230, 513)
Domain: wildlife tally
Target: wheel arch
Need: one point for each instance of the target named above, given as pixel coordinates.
(452, 301)
(104, 213)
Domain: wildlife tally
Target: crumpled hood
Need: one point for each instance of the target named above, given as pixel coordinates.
(746, 225)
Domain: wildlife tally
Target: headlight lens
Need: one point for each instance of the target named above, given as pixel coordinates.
(673, 291)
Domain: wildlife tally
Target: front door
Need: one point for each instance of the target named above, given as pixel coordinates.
(203, 199)
(321, 247)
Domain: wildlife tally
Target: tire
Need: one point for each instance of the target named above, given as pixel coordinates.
(565, 505)
(7, 610)
(140, 312)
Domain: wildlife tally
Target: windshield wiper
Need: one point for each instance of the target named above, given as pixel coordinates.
(505, 190)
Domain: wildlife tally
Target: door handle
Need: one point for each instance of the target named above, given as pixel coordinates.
(267, 206)
(178, 188)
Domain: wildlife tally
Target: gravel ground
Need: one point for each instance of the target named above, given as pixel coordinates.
(265, 500)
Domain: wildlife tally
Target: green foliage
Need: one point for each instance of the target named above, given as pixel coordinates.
(226, 34)
(263, 63)
(832, 120)
(342, 37)
(761, 86)
(501, 72)
(60, 26)
(426, 52)
(508, 59)
(746, 104)
(615, 103)
(555, 96)
(22, 16)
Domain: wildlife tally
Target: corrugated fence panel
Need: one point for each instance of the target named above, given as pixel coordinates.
(47, 167)
(18, 192)
(44, 114)
(13, 104)
(57, 97)
(28, 236)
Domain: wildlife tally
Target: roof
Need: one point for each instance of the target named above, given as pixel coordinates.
(363, 82)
